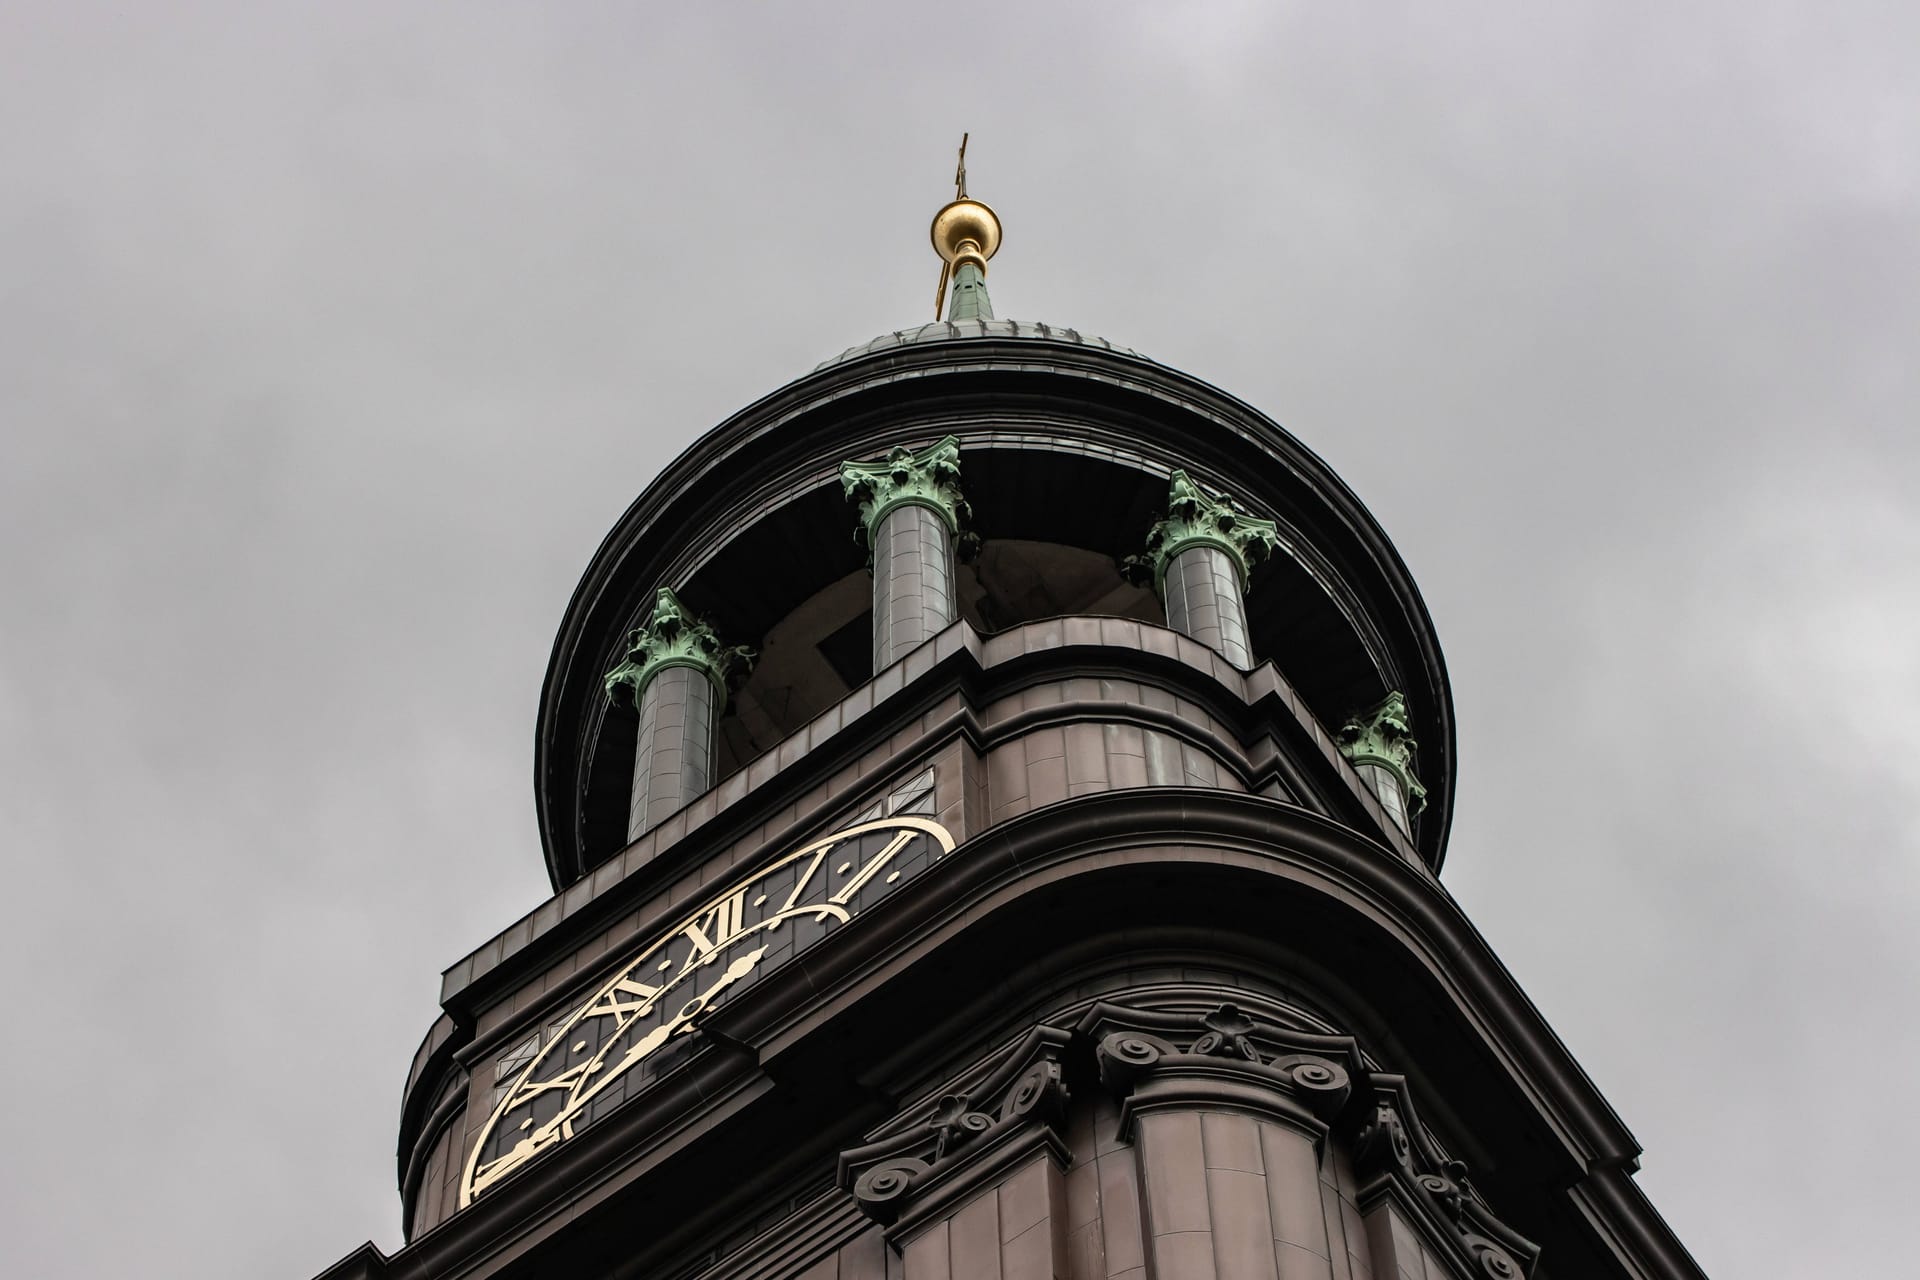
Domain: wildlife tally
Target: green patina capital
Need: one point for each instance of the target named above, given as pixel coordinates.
(1383, 737)
(1197, 518)
(929, 478)
(674, 638)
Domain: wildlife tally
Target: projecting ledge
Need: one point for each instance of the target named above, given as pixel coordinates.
(1040, 680)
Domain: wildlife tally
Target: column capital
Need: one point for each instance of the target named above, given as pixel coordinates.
(934, 1158)
(1197, 518)
(1382, 736)
(1159, 1060)
(672, 637)
(928, 478)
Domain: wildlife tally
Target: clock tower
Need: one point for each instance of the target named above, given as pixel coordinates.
(995, 788)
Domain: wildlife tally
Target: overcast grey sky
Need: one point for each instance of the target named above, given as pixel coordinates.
(333, 337)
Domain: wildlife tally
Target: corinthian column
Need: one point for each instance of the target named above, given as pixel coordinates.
(1200, 554)
(910, 512)
(676, 673)
(1380, 745)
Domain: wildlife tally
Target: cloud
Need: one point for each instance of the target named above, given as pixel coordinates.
(337, 335)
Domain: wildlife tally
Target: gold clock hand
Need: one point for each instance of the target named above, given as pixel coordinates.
(649, 1043)
(740, 968)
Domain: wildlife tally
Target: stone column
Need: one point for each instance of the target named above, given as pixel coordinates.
(1200, 554)
(910, 513)
(1228, 1119)
(1379, 743)
(675, 671)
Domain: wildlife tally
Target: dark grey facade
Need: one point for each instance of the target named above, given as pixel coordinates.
(1034, 917)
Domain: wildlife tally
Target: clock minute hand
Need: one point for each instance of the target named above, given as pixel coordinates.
(642, 1048)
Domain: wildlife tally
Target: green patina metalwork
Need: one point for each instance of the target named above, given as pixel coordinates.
(673, 637)
(1382, 736)
(929, 478)
(1196, 518)
(970, 300)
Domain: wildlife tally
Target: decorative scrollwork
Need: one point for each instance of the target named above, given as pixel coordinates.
(1450, 1189)
(1229, 1054)
(1444, 1193)
(1316, 1075)
(1383, 1144)
(1134, 1050)
(1494, 1261)
(1024, 1093)
(882, 1186)
(1124, 1056)
(953, 1123)
(1040, 1086)
(1228, 1034)
(1392, 1147)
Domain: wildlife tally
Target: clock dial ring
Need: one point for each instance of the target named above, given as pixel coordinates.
(656, 997)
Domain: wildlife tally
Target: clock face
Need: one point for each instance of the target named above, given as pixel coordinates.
(637, 1025)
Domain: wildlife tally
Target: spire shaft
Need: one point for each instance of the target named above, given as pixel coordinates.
(970, 300)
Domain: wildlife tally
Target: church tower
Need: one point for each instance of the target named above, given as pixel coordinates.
(995, 788)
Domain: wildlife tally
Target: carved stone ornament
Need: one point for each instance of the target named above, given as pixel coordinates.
(1198, 518)
(1154, 1059)
(932, 1159)
(1394, 1157)
(674, 638)
(1383, 736)
(929, 478)
(966, 1138)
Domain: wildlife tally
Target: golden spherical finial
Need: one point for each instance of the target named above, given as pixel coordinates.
(964, 233)
(965, 230)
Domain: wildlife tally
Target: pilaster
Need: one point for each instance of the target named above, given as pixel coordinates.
(974, 1186)
(1419, 1206)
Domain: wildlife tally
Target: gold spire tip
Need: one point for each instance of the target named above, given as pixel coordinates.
(965, 230)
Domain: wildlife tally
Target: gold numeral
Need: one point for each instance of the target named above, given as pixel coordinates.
(610, 1005)
(873, 866)
(726, 918)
